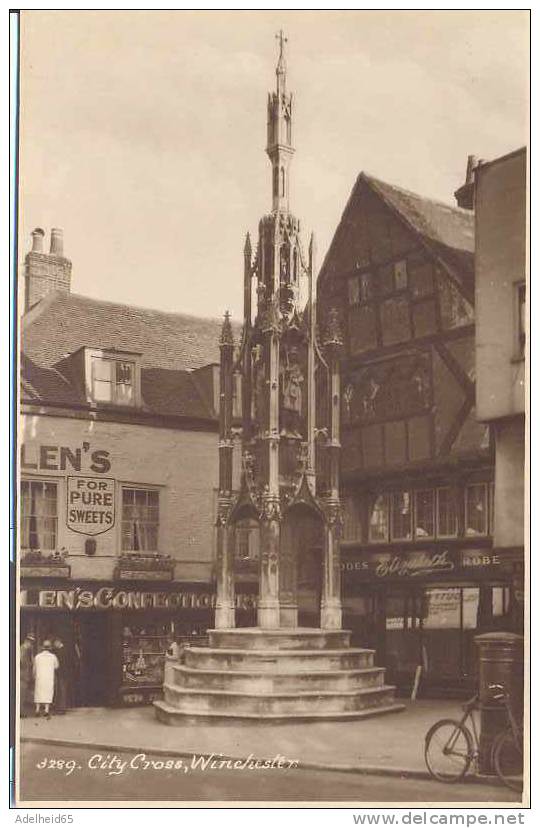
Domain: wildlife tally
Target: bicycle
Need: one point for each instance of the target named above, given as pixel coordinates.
(451, 747)
(507, 752)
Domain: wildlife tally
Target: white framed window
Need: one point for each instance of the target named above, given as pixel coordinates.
(113, 380)
(447, 519)
(39, 514)
(476, 509)
(379, 519)
(140, 519)
(401, 515)
(424, 513)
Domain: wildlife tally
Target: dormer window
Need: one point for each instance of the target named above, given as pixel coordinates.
(112, 378)
(112, 381)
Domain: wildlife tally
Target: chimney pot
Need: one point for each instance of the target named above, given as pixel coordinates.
(37, 240)
(57, 242)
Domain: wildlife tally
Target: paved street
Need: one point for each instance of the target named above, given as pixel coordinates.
(79, 782)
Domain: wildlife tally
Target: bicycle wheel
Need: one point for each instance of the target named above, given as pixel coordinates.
(508, 759)
(448, 750)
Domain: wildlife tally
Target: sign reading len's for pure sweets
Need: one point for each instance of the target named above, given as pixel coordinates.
(90, 504)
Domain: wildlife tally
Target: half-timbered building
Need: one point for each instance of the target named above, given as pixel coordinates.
(420, 578)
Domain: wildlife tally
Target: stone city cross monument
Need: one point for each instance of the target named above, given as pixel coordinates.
(289, 491)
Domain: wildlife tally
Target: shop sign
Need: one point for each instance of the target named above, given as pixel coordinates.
(90, 504)
(414, 564)
(62, 458)
(114, 598)
(479, 558)
(403, 565)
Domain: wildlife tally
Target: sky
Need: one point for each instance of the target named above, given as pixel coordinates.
(143, 133)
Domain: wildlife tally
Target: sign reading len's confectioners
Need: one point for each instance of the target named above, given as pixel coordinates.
(90, 504)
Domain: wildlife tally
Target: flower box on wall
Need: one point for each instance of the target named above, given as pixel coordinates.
(144, 568)
(36, 564)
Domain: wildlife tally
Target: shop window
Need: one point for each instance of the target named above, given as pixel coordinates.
(140, 520)
(39, 514)
(447, 524)
(379, 519)
(476, 511)
(401, 516)
(500, 601)
(113, 381)
(424, 514)
(143, 656)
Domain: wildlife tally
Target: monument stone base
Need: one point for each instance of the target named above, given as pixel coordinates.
(282, 675)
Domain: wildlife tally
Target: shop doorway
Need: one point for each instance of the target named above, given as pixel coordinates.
(93, 652)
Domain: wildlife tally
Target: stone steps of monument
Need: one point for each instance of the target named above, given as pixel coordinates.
(189, 700)
(250, 680)
(297, 638)
(168, 714)
(278, 661)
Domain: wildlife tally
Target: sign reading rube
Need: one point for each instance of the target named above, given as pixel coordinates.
(90, 504)
(416, 564)
(120, 599)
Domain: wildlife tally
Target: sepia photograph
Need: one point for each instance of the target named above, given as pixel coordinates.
(272, 521)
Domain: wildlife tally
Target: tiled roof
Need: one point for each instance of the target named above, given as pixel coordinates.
(170, 345)
(64, 322)
(445, 224)
(448, 230)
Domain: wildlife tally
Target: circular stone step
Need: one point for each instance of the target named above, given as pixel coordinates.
(267, 682)
(299, 638)
(190, 700)
(278, 661)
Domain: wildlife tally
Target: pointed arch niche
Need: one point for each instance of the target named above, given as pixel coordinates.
(301, 566)
(245, 537)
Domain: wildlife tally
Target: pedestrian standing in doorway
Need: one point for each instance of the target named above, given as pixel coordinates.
(61, 677)
(26, 667)
(45, 667)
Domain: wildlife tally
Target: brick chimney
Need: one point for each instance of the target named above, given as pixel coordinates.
(45, 272)
(465, 194)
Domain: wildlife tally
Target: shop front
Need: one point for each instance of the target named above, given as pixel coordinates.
(421, 610)
(115, 637)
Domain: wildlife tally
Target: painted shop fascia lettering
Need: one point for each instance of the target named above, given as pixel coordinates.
(60, 458)
(417, 564)
(110, 597)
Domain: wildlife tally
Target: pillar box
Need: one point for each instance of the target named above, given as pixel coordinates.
(501, 662)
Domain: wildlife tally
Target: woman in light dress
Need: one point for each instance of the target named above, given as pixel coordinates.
(45, 666)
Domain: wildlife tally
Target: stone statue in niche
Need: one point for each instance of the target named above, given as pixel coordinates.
(292, 382)
(285, 256)
(258, 387)
(369, 396)
(348, 395)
